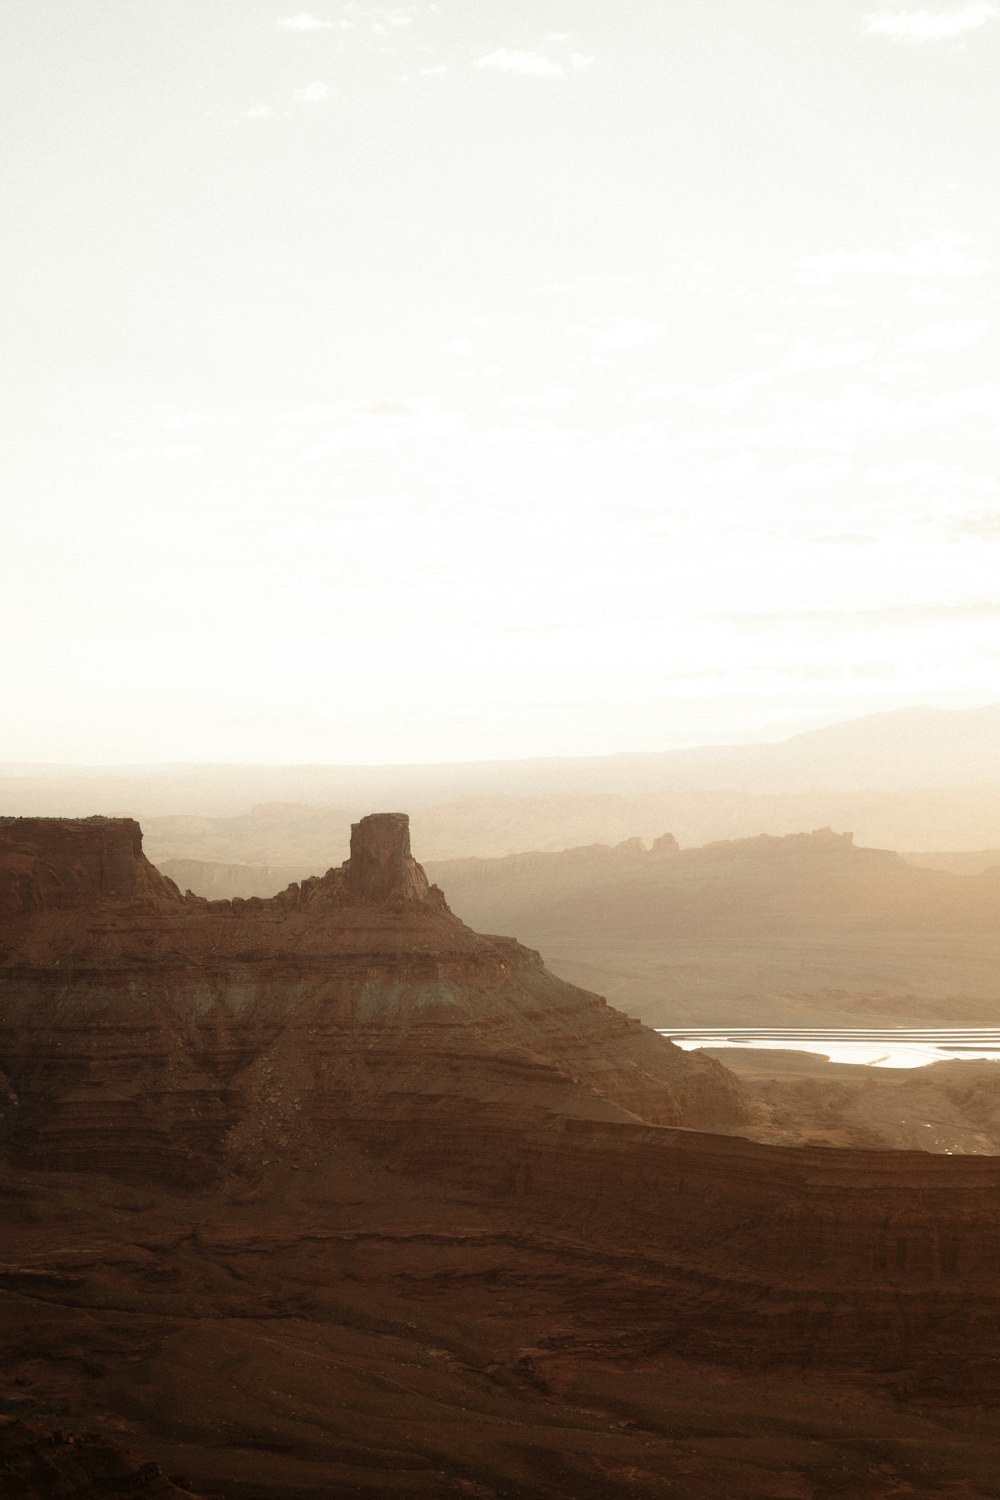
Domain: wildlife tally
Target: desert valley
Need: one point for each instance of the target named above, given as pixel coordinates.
(320, 1192)
(500, 750)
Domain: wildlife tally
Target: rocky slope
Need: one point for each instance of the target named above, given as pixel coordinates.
(329, 1196)
(804, 929)
(144, 1028)
(37, 1463)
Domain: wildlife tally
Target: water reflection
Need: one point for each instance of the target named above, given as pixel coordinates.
(895, 1048)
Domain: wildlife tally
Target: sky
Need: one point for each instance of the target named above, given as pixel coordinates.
(493, 378)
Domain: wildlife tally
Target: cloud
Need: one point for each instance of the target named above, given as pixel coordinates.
(904, 614)
(180, 421)
(943, 253)
(620, 333)
(977, 523)
(305, 22)
(314, 415)
(808, 353)
(932, 296)
(525, 64)
(170, 453)
(929, 25)
(312, 93)
(943, 338)
(897, 369)
(553, 398)
(575, 284)
(919, 475)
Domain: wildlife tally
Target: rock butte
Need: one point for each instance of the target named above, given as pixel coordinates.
(328, 1195)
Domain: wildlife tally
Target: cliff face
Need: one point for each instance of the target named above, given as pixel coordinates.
(142, 1031)
(798, 930)
(330, 1195)
(71, 864)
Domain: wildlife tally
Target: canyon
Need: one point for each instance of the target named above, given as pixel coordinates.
(804, 928)
(326, 1195)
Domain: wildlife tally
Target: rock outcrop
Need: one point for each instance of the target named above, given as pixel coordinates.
(329, 1195)
(70, 864)
(151, 1033)
(37, 1463)
(381, 867)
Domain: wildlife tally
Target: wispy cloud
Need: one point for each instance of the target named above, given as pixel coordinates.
(942, 254)
(526, 64)
(809, 353)
(312, 93)
(932, 295)
(180, 421)
(621, 333)
(352, 16)
(929, 25)
(305, 22)
(945, 338)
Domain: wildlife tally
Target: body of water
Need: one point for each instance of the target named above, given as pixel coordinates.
(900, 1047)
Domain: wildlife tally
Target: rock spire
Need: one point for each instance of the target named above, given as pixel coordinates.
(381, 867)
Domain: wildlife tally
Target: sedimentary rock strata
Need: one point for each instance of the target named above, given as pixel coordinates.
(327, 1195)
(143, 1030)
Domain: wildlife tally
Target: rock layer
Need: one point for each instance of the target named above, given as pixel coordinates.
(329, 1196)
(70, 864)
(381, 867)
(39, 1464)
(146, 1032)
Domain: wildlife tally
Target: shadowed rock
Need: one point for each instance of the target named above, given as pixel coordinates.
(381, 867)
(330, 1195)
(68, 863)
(138, 1027)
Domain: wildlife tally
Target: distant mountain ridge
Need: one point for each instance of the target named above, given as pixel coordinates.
(803, 929)
(925, 747)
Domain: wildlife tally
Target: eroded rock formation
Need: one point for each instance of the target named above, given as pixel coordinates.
(329, 1196)
(146, 1031)
(38, 1463)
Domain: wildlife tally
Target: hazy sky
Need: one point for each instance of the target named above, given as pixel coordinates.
(494, 377)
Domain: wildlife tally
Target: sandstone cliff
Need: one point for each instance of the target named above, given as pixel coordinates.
(329, 1196)
(142, 1030)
